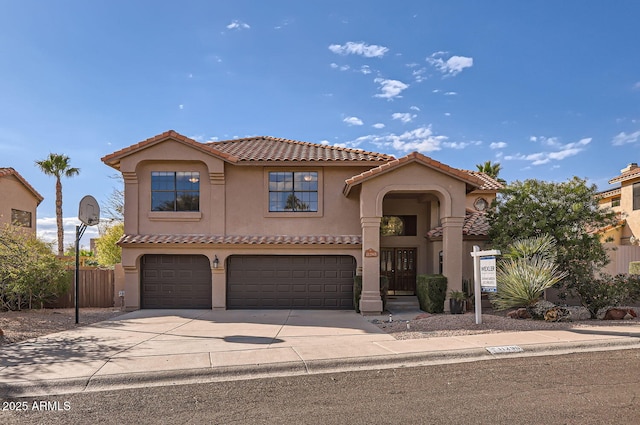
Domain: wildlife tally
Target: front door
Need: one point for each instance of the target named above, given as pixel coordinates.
(399, 265)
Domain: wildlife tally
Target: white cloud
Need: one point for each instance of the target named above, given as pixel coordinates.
(414, 108)
(456, 145)
(238, 25)
(447, 114)
(419, 74)
(636, 86)
(498, 145)
(359, 48)
(365, 69)
(340, 67)
(47, 231)
(404, 117)
(420, 139)
(378, 125)
(451, 93)
(624, 138)
(181, 106)
(546, 141)
(451, 66)
(390, 88)
(353, 121)
(563, 151)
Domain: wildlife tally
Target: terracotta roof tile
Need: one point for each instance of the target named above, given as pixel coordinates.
(265, 148)
(242, 239)
(8, 171)
(634, 173)
(254, 149)
(413, 157)
(475, 224)
(489, 182)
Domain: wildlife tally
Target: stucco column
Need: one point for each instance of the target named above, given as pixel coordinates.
(131, 198)
(452, 252)
(370, 301)
(131, 288)
(219, 289)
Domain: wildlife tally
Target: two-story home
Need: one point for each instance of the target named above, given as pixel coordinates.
(20, 201)
(625, 201)
(264, 222)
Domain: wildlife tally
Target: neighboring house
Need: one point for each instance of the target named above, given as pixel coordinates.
(624, 237)
(19, 201)
(263, 222)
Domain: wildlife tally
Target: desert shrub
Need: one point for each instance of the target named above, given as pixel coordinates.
(634, 267)
(526, 271)
(30, 274)
(431, 291)
(611, 291)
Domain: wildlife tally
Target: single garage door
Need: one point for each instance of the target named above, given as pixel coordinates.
(290, 281)
(175, 281)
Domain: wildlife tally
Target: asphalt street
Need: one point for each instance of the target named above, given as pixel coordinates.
(582, 388)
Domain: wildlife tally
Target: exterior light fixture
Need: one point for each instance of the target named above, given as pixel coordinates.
(216, 262)
(194, 180)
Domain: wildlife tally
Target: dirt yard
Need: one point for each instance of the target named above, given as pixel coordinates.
(18, 326)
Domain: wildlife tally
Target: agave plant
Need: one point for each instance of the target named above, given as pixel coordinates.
(526, 271)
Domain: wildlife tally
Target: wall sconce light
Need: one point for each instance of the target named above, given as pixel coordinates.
(216, 262)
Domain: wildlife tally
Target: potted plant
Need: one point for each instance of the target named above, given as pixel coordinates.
(457, 302)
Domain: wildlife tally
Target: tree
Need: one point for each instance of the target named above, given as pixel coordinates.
(568, 212)
(114, 209)
(58, 166)
(492, 170)
(108, 253)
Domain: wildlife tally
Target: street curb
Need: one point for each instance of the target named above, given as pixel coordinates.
(308, 367)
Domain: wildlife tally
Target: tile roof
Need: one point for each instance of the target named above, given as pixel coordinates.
(8, 171)
(242, 239)
(255, 149)
(413, 157)
(633, 173)
(489, 182)
(475, 224)
(265, 148)
(608, 193)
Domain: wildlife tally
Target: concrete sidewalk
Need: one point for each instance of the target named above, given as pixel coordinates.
(163, 347)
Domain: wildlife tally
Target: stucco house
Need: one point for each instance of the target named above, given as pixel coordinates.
(19, 201)
(264, 222)
(623, 238)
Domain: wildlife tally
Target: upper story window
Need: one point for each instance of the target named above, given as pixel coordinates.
(615, 202)
(636, 196)
(175, 191)
(293, 191)
(21, 218)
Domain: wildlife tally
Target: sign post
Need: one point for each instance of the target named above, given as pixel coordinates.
(484, 276)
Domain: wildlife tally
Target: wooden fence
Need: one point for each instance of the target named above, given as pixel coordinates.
(96, 290)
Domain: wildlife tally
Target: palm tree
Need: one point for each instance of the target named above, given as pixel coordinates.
(58, 165)
(492, 170)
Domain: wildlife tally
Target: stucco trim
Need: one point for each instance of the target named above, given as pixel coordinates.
(441, 193)
(174, 215)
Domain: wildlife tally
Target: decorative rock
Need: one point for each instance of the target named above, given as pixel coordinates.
(520, 313)
(539, 309)
(620, 314)
(422, 316)
(556, 314)
(578, 313)
(1, 332)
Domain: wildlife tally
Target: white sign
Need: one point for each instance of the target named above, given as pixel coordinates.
(488, 274)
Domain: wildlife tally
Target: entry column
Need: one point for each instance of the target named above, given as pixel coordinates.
(370, 301)
(452, 251)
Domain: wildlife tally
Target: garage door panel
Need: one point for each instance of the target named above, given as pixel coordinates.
(303, 281)
(175, 281)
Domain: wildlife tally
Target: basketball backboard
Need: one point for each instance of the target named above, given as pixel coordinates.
(89, 212)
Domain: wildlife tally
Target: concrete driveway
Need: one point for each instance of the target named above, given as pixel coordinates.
(160, 347)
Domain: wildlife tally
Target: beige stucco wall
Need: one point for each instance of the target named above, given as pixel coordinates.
(15, 195)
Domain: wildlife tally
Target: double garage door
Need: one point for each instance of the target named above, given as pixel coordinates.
(253, 281)
(290, 281)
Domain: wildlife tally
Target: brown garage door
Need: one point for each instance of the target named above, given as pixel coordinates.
(175, 281)
(290, 281)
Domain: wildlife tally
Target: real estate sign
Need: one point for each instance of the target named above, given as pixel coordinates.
(488, 274)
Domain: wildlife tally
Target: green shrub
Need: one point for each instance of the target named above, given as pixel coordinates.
(432, 291)
(611, 291)
(357, 291)
(634, 267)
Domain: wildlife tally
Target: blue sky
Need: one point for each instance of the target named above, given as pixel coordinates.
(550, 89)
